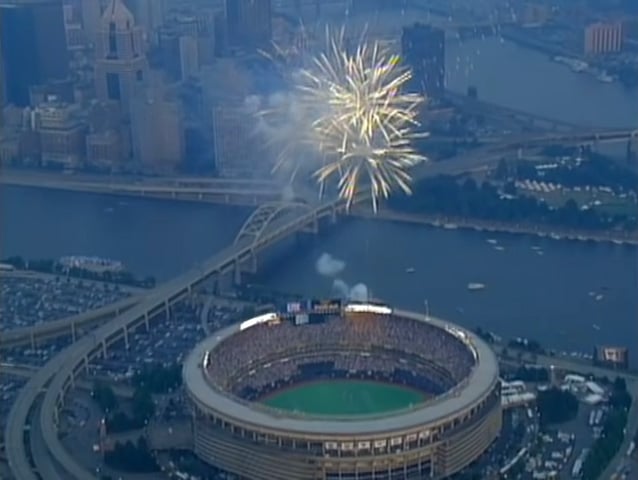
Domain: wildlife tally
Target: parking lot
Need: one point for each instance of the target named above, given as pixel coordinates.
(31, 299)
(168, 340)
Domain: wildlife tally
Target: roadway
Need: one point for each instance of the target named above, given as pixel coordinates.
(242, 193)
(72, 326)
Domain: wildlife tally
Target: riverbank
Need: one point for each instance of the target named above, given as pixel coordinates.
(497, 227)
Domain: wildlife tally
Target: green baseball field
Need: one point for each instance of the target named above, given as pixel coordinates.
(344, 398)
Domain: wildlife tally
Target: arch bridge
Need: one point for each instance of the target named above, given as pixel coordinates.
(265, 216)
(261, 222)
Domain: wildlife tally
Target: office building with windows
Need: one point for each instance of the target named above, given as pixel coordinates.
(34, 48)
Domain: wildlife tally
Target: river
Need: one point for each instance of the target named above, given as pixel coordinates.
(526, 80)
(540, 296)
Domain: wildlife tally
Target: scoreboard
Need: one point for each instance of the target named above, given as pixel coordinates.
(312, 311)
(611, 357)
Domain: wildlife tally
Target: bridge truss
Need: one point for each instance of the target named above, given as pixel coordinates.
(259, 221)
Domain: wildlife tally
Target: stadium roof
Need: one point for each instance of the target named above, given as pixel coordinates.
(480, 383)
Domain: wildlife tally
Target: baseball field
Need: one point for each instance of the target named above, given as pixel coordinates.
(344, 398)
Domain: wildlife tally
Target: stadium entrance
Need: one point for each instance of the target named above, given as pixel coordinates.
(344, 397)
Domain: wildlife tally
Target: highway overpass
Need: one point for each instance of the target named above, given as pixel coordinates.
(62, 372)
(219, 191)
(74, 326)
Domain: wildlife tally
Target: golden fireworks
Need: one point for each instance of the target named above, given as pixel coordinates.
(351, 109)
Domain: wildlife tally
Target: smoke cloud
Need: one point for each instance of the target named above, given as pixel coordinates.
(331, 267)
(328, 266)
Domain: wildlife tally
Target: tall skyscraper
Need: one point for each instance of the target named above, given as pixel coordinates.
(33, 42)
(121, 62)
(248, 23)
(423, 49)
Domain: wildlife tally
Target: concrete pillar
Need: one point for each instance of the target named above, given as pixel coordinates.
(333, 215)
(253, 263)
(314, 226)
(126, 338)
(167, 308)
(104, 349)
(73, 332)
(32, 339)
(237, 273)
(146, 322)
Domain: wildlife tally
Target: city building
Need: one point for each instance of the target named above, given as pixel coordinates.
(34, 48)
(103, 150)
(91, 13)
(3, 95)
(180, 43)
(601, 38)
(157, 127)
(423, 50)
(150, 15)
(62, 133)
(121, 63)
(248, 24)
(535, 14)
(188, 56)
(75, 39)
(62, 90)
(237, 152)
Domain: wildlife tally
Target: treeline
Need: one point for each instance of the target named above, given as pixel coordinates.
(117, 420)
(613, 434)
(445, 196)
(130, 457)
(152, 379)
(55, 268)
(159, 378)
(556, 406)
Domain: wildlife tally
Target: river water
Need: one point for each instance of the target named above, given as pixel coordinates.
(546, 297)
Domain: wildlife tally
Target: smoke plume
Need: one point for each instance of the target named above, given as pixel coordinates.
(331, 267)
(328, 266)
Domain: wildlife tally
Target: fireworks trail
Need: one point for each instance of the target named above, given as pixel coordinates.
(349, 109)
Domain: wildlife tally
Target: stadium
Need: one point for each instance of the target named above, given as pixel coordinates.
(342, 391)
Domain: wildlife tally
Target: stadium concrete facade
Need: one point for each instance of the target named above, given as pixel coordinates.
(434, 439)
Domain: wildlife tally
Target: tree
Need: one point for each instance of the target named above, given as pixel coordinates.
(556, 406)
(143, 406)
(104, 397)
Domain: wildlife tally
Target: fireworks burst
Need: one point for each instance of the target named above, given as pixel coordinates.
(351, 110)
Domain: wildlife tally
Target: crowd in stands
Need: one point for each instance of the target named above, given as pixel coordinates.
(266, 357)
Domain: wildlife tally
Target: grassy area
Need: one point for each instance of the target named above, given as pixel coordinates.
(344, 397)
(609, 203)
